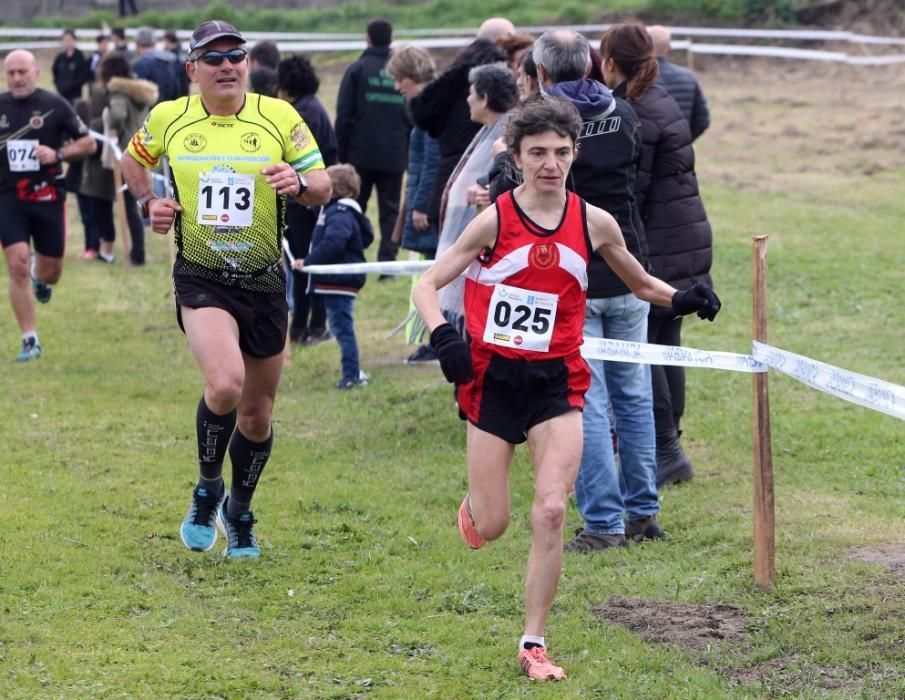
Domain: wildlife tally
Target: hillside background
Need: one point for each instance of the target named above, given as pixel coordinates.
(887, 16)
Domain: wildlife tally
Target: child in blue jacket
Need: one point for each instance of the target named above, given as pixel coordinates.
(341, 236)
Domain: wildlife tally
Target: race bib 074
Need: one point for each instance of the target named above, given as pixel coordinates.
(520, 318)
(22, 156)
(225, 199)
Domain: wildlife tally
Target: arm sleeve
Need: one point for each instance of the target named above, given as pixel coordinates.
(146, 146)
(119, 112)
(73, 127)
(300, 149)
(430, 156)
(503, 176)
(346, 110)
(700, 113)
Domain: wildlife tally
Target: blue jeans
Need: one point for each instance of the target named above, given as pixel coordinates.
(339, 318)
(602, 493)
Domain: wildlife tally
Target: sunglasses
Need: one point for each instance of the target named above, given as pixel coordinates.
(215, 58)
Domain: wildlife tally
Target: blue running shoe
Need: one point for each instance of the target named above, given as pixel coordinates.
(42, 290)
(240, 538)
(198, 531)
(31, 350)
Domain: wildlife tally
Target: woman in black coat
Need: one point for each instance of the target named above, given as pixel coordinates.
(678, 234)
(297, 82)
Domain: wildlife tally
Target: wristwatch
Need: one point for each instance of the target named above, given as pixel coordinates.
(59, 155)
(303, 184)
(143, 204)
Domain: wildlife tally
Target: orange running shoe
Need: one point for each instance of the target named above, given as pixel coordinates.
(538, 667)
(466, 526)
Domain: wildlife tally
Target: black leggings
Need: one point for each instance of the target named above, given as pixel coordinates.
(668, 383)
(300, 223)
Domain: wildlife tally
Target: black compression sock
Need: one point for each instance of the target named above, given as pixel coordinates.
(248, 460)
(213, 433)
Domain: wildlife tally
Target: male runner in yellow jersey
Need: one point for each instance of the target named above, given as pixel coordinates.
(234, 157)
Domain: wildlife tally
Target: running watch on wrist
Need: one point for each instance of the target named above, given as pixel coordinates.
(143, 204)
(59, 155)
(303, 184)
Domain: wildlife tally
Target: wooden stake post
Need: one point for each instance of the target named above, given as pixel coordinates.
(764, 524)
(121, 217)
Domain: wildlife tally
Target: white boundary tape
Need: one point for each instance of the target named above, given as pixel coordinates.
(119, 156)
(391, 267)
(644, 353)
(849, 386)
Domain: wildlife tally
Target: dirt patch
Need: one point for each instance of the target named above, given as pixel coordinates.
(713, 631)
(783, 673)
(891, 555)
(683, 624)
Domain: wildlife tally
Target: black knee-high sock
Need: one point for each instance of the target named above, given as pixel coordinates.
(248, 460)
(214, 433)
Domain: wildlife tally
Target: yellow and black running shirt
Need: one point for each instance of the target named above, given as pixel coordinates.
(230, 229)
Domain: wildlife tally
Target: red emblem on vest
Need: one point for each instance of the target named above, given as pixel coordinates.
(543, 256)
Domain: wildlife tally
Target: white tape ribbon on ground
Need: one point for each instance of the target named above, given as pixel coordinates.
(389, 267)
(644, 353)
(849, 386)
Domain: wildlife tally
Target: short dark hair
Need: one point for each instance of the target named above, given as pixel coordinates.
(118, 32)
(380, 32)
(296, 76)
(70, 32)
(266, 53)
(171, 36)
(263, 81)
(114, 65)
(497, 84)
(539, 115)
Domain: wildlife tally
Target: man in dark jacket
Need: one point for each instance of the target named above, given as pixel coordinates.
(157, 65)
(71, 70)
(680, 83)
(372, 130)
(604, 175)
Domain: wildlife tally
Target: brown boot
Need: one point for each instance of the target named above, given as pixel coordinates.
(585, 541)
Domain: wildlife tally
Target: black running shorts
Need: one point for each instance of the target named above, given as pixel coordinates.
(508, 397)
(41, 222)
(262, 317)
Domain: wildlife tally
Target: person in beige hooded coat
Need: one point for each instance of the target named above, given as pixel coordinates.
(119, 104)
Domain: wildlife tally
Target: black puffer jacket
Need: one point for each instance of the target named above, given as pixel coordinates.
(685, 90)
(441, 109)
(679, 239)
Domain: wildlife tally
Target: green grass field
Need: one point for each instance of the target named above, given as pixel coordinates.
(364, 589)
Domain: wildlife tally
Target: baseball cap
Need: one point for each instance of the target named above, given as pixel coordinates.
(211, 30)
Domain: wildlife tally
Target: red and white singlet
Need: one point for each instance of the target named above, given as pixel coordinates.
(525, 298)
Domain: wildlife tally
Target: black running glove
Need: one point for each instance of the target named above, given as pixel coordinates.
(700, 298)
(455, 359)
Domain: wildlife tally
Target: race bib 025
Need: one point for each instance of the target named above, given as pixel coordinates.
(520, 318)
